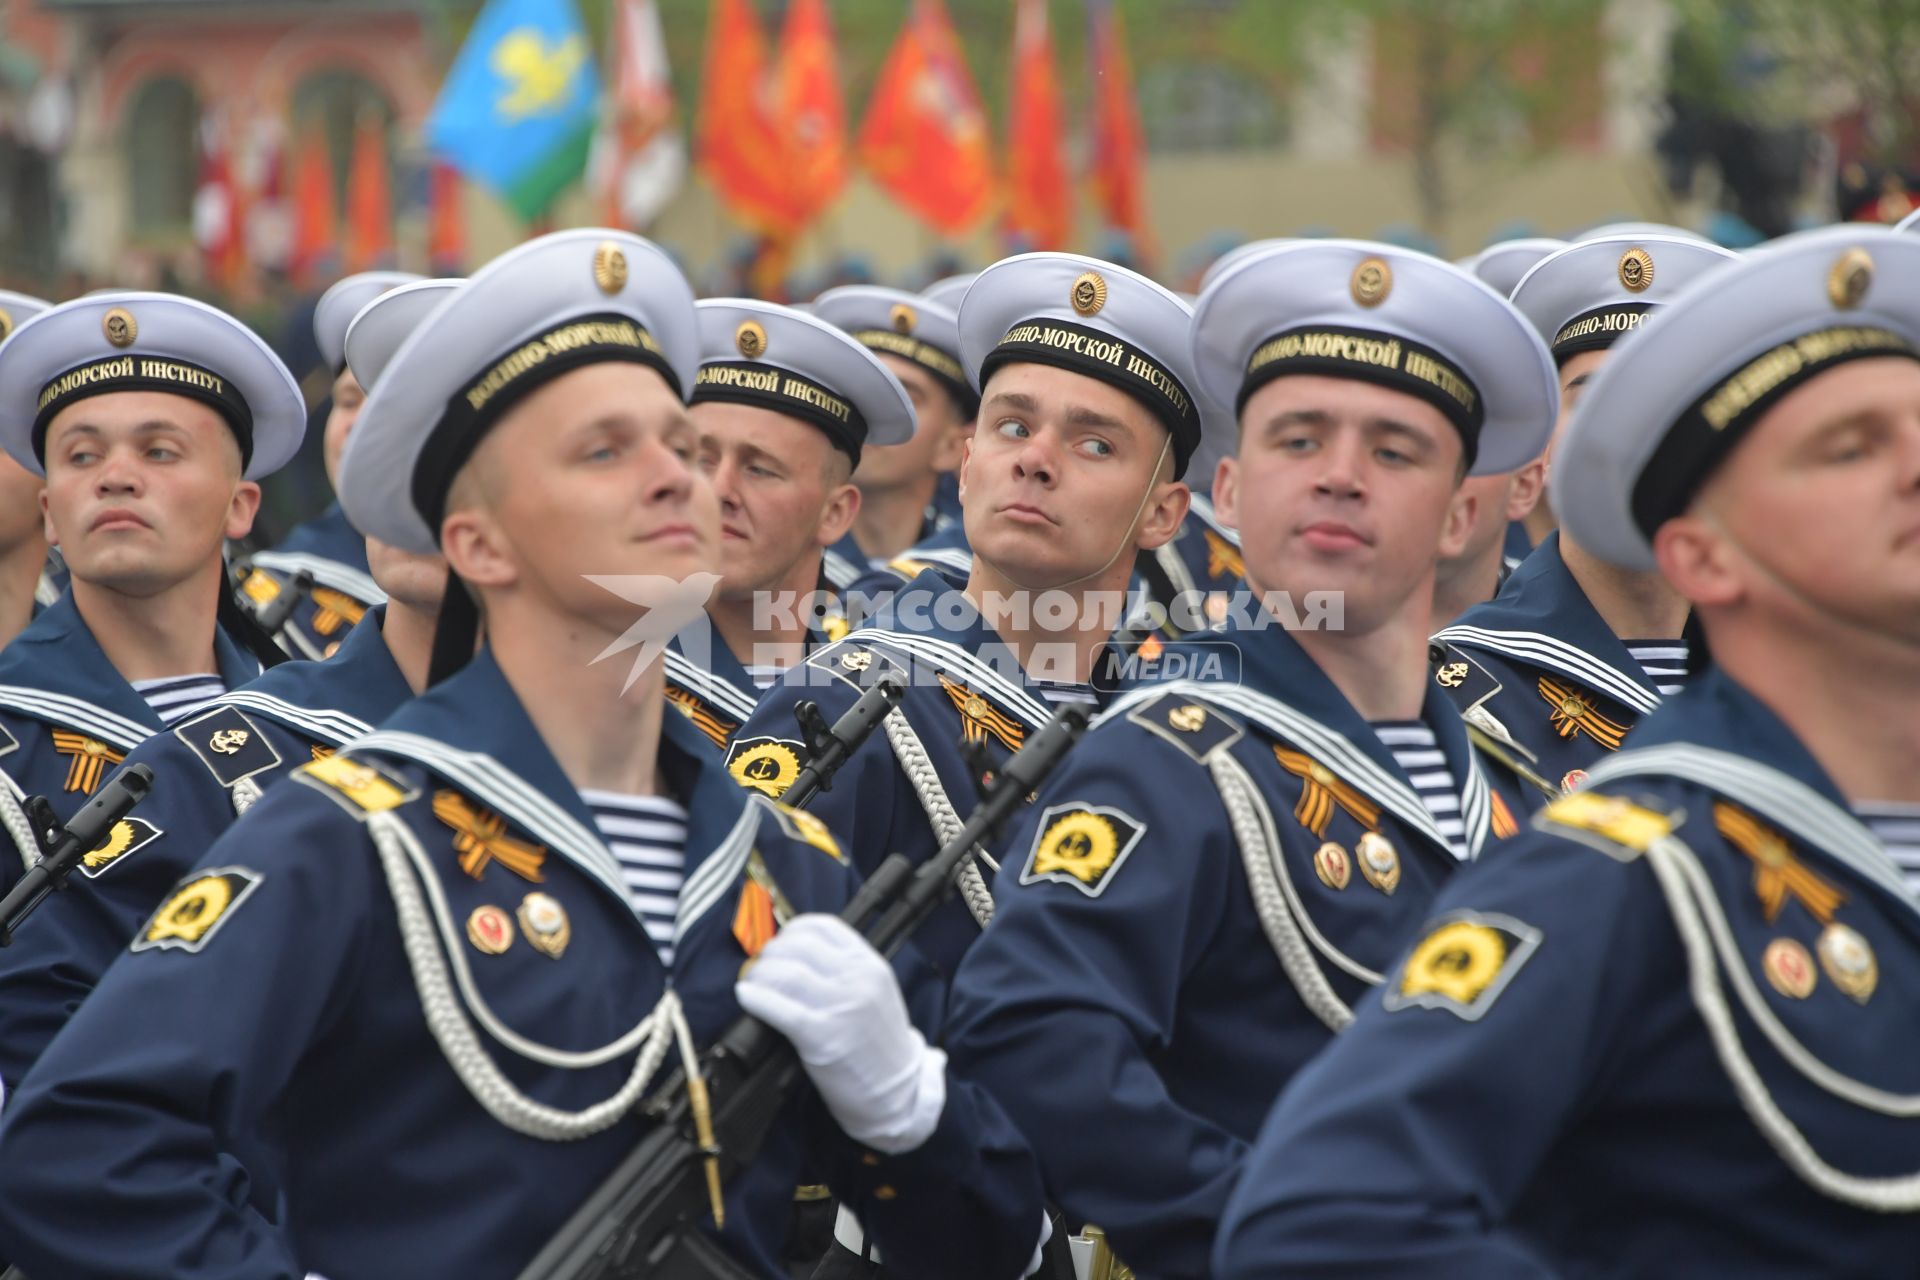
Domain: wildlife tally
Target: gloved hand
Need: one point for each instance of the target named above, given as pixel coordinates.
(819, 984)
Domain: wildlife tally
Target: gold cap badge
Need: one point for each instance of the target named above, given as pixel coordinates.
(903, 318)
(609, 267)
(119, 327)
(1636, 270)
(751, 339)
(6, 323)
(1372, 282)
(1089, 293)
(1850, 278)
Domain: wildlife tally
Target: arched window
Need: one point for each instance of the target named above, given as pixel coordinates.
(1193, 107)
(162, 159)
(335, 100)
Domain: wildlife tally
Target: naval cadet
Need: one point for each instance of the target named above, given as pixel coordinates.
(150, 419)
(328, 548)
(1221, 869)
(1574, 650)
(786, 406)
(26, 586)
(215, 763)
(905, 488)
(477, 935)
(1666, 1033)
(1089, 421)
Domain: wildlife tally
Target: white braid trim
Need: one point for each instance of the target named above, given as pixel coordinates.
(1283, 917)
(244, 792)
(1703, 929)
(14, 818)
(925, 780)
(407, 871)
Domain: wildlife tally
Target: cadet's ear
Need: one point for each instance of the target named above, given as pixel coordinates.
(1226, 492)
(1529, 482)
(1165, 510)
(1699, 561)
(476, 547)
(1462, 507)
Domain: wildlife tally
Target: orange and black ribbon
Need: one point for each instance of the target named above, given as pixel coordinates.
(321, 752)
(331, 608)
(1223, 558)
(721, 731)
(1320, 791)
(90, 759)
(1777, 874)
(978, 717)
(1504, 824)
(480, 836)
(1573, 713)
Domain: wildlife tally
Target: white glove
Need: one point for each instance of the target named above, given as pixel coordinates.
(819, 984)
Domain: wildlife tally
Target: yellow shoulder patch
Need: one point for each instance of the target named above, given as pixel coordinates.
(767, 765)
(1462, 964)
(1082, 845)
(361, 785)
(1613, 819)
(187, 920)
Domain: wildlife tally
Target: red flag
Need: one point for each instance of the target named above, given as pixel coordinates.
(315, 228)
(1118, 161)
(639, 161)
(218, 218)
(741, 137)
(810, 105)
(446, 228)
(369, 204)
(1039, 194)
(925, 137)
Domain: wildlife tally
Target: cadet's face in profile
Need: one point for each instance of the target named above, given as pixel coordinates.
(20, 519)
(592, 473)
(1054, 476)
(1823, 501)
(142, 489)
(1345, 486)
(776, 478)
(936, 437)
(347, 399)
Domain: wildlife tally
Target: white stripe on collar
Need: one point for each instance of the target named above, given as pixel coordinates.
(1779, 797)
(57, 708)
(841, 572)
(1201, 506)
(1540, 650)
(328, 725)
(978, 675)
(326, 573)
(1175, 568)
(44, 592)
(714, 877)
(684, 672)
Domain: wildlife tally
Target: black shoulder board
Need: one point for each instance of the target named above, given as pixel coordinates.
(1466, 683)
(229, 744)
(858, 665)
(1197, 728)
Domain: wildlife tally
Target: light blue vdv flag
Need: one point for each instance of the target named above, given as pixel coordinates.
(520, 104)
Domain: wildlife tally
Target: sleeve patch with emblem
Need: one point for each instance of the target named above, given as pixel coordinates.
(768, 765)
(127, 836)
(1081, 845)
(1462, 964)
(354, 785)
(1195, 727)
(230, 745)
(194, 912)
(1466, 683)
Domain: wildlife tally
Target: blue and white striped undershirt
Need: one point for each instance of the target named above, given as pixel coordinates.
(1664, 661)
(1418, 753)
(174, 698)
(1898, 827)
(648, 836)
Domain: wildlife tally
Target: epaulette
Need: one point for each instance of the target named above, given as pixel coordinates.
(1615, 826)
(1466, 683)
(230, 745)
(807, 829)
(1196, 729)
(857, 664)
(355, 785)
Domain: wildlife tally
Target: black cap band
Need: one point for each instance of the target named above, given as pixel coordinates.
(944, 367)
(766, 386)
(1366, 355)
(1598, 329)
(1714, 423)
(132, 372)
(570, 345)
(1113, 360)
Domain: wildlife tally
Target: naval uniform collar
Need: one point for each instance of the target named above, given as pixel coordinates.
(55, 671)
(335, 700)
(1542, 618)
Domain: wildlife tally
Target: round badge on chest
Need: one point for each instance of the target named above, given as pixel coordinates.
(545, 923)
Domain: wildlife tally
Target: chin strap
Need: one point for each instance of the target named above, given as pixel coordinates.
(455, 633)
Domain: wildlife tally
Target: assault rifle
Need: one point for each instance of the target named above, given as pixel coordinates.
(647, 1218)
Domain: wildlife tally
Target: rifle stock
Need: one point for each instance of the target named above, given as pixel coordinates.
(85, 832)
(644, 1220)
